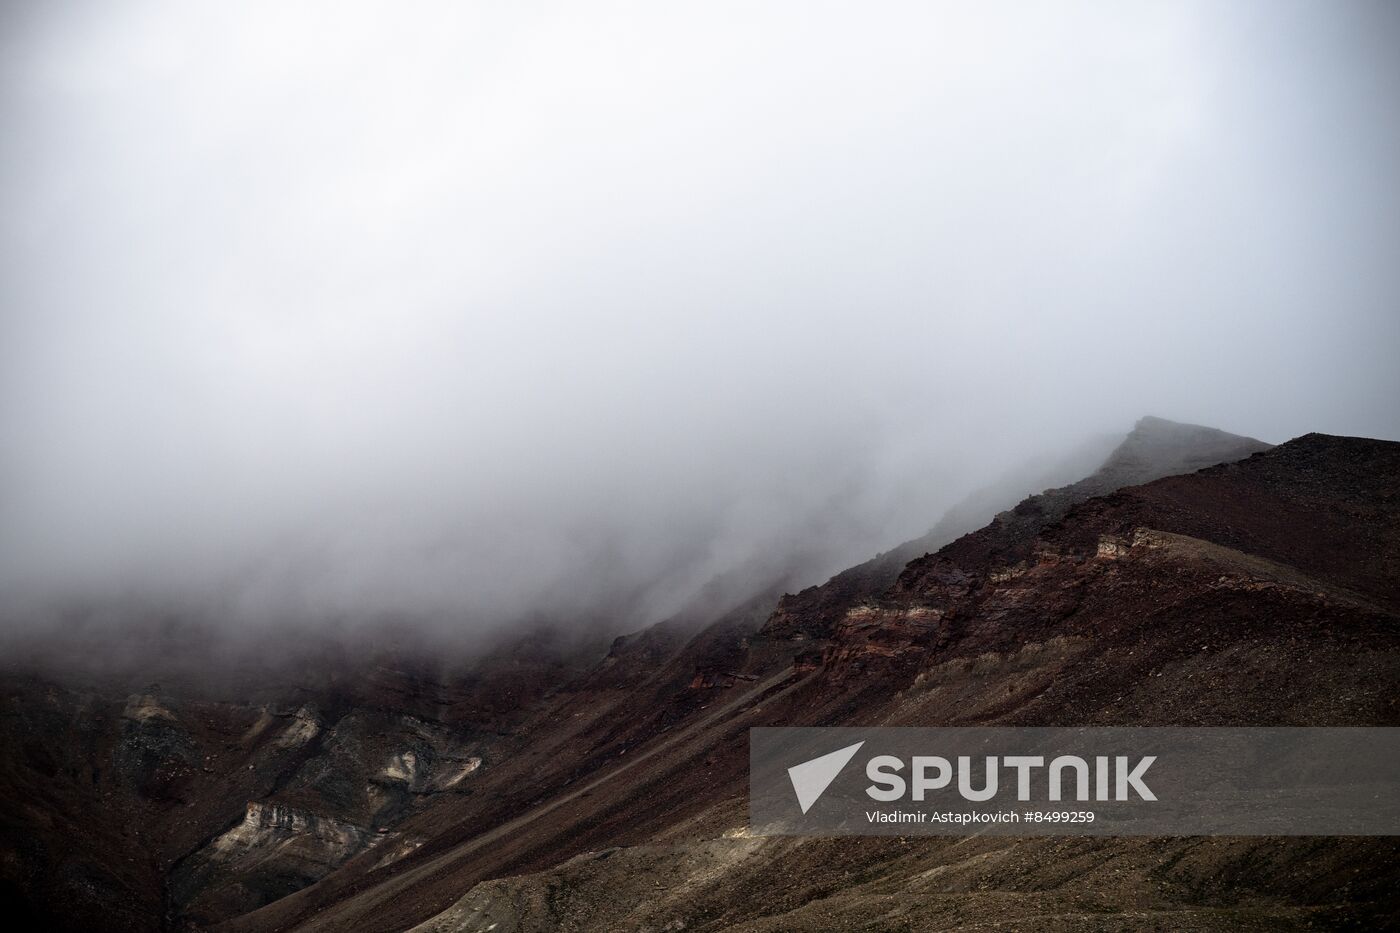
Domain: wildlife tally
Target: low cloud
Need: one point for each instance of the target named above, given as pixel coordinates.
(479, 314)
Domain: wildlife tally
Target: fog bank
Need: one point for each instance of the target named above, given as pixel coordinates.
(474, 313)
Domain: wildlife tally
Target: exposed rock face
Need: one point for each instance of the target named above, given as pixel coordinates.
(268, 825)
(304, 727)
(198, 810)
(274, 851)
(369, 771)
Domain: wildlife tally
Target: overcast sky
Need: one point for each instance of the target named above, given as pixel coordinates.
(471, 309)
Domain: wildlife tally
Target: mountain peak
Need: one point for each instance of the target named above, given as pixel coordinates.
(1158, 447)
(1154, 448)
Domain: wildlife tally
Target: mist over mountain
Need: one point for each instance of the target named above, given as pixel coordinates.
(549, 780)
(433, 436)
(472, 316)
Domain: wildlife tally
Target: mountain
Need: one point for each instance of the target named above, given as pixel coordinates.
(1189, 600)
(540, 789)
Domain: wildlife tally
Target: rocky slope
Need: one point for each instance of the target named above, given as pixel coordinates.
(1186, 601)
(1262, 591)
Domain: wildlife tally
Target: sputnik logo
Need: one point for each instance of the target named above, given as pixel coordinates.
(811, 778)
